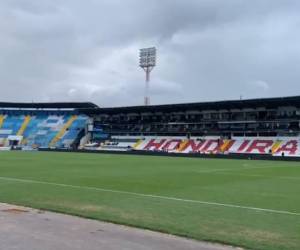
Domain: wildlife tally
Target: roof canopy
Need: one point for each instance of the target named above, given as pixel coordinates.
(53, 105)
(91, 108)
(202, 106)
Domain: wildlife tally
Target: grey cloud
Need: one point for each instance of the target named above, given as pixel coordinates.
(74, 50)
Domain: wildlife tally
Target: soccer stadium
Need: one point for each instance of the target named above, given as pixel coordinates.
(149, 125)
(225, 172)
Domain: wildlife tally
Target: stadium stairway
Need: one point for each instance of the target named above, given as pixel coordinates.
(61, 133)
(24, 125)
(225, 145)
(182, 145)
(276, 146)
(2, 117)
(2, 140)
(137, 144)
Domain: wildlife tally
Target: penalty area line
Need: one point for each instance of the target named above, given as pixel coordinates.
(274, 211)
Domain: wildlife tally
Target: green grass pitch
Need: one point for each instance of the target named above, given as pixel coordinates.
(254, 204)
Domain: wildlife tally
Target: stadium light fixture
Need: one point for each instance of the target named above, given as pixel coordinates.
(147, 63)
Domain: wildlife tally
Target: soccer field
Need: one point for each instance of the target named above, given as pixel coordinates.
(254, 204)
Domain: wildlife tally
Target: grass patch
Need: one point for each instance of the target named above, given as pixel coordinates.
(255, 184)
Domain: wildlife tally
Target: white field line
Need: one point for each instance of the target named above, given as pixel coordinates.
(283, 212)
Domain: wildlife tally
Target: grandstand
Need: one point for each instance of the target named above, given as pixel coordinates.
(30, 126)
(258, 126)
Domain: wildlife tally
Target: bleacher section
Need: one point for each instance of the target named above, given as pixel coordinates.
(263, 126)
(71, 130)
(246, 145)
(41, 129)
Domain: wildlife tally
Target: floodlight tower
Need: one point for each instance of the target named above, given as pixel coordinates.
(147, 63)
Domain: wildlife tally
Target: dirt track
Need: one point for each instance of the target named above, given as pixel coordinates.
(29, 229)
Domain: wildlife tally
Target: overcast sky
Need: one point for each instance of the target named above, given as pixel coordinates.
(87, 50)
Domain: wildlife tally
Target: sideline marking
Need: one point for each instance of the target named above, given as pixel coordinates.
(152, 196)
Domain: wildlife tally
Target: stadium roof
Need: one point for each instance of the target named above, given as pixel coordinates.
(219, 105)
(53, 105)
(91, 108)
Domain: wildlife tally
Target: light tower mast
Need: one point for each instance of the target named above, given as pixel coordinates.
(147, 63)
